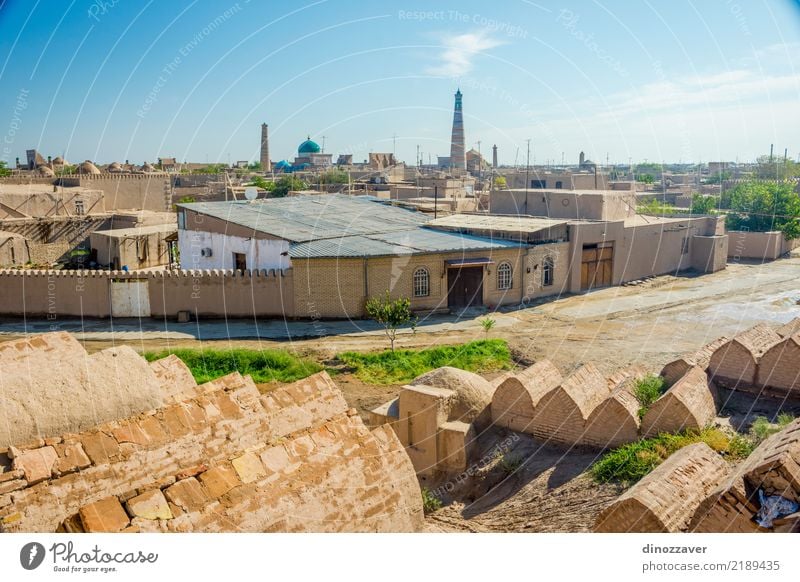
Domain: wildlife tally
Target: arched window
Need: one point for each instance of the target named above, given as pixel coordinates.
(547, 272)
(504, 276)
(422, 285)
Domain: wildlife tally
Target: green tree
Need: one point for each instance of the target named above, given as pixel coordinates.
(718, 178)
(261, 182)
(286, 184)
(776, 168)
(763, 207)
(500, 182)
(656, 207)
(646, 178)
(4, 171)
(392, 314)
(210, 169)
(703, 204)
(334, 177)
(255, 166)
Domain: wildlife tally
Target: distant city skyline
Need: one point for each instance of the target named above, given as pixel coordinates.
(621, 81)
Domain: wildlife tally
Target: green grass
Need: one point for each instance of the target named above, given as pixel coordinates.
(761, 427)
(647, 390)
(403, 365)
(631, 462)
(262, 365)
(430, 502)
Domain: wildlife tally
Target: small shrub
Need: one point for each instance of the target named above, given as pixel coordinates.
(509, 464)
(487, 323)
(430, 502)
(647, 390)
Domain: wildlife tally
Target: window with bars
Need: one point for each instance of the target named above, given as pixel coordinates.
(547, 272)
(422, 285)
(504, 276)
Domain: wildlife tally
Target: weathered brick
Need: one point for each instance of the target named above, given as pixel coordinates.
(219, 480)
(275, 458)
(9, 475)
(100, 447)
(106, 515)
(130, 432)
(248, 467)
(153, 430)
(188, 494)
(71, 458)
(150, 505)
(37, 464)
(14, 485)
(190, 472)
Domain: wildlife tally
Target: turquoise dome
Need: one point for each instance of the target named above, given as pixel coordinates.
(308, 147)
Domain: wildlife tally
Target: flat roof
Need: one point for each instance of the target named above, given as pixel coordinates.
(137, 230)
(566, 191)
(497, 222)
(411, 241)
(309, 218)
(339, 225)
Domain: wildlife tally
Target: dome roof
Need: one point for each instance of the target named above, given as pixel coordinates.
(114, 167)
(148, 167)
(88, 167)
(59, 161)
(45, 171)
(282, 164)
(308, 147)
(473, 394)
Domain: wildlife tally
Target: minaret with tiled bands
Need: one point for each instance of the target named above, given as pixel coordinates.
(266, 165)
(457, 151)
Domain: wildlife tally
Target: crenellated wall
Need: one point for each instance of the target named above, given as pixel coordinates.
(207, 294)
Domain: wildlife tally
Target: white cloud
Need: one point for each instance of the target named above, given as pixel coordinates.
(459, 52)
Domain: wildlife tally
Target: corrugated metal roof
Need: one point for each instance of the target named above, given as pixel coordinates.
(308, 218)
(408, 242)
(343, 226)
(497, 222)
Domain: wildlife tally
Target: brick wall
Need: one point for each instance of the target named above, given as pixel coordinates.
(225, 458)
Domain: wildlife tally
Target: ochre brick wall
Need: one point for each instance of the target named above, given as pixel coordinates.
(225, 458)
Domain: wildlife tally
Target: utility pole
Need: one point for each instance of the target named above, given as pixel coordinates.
(323, 143)
(527, 173)
(394, 144)
(480, 162)
(418, 160)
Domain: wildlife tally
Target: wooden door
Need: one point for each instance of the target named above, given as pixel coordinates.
(597, 266)
(465, 287)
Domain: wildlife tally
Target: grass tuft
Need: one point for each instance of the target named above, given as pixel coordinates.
(647, 390)
(629, 463)
(262, 365)
(403, 365)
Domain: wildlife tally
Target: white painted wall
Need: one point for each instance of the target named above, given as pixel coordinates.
(261, 253)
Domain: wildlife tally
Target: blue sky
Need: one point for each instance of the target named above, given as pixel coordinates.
(659, 81)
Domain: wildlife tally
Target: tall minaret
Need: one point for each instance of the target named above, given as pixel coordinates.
(494, 156)
(266, 165)
(457, 156)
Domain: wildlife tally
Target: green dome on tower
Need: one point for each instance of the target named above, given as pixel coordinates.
(308, 147)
